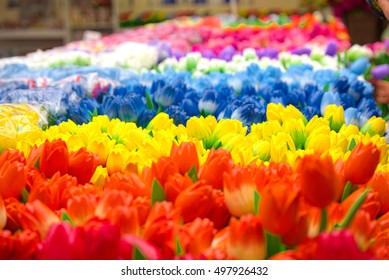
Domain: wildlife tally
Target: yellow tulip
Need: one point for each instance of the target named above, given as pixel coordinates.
(160, 121)
(99, 177)
(292, 112)
(262, 149)
(296, 129)
(280, 144)
(374, 126)
(318, 142)
(274, 112)
(117, 158)
(335, 116)
(101, 146)
(226, 126)
(266, 130)
(317, 123)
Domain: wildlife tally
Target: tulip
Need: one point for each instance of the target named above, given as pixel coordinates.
(37, 216)
(380, 184)
(96, 240)
(82, 165)
(374, 126)
(219, 213)
(129, 182)
(319, 181)
(50, 157)
(351, 116)
(360, 66)
(81, 208)
(99, 177)
(218, 162)
(197, 195)
(246, 238)
(297, 233)
(13, 208)
(360, 166)
(364, 229)
(100, 146)
(379, 72)
(335, 117)
(13, 178)
(370, 205)
(328, 99)
(175, 184)
(207, 102)
(18, 246)
(296, 129)
(279, 202)
(185, 157)
(239, 191)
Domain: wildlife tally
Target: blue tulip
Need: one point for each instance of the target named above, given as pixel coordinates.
(347, 101)
(248, 114)
(341, 85)
(178, 115)
(207, 103)
(329, 97)
(356, 90)
(78, 114)
(145, 117)
(309, 112)
(315, 98)
(165, 96)
(351, 116)
(360, 65)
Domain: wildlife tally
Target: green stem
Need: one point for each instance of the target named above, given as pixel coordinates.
(323, 220)
(353, 210)
(347, 190)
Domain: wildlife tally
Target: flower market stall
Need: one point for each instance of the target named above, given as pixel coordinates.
(197, 138)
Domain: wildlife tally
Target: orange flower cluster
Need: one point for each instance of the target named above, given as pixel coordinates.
(181, 209)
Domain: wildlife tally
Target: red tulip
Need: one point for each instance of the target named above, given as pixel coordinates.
(13, 209)
(219, 213)
(18, 246)
(364, 229)
(185, 157)
(360, 166)
(175, 184)
(279, 207)
(246, 238)
(3, 214)
(319, 182)
(82, 165)
(162, 169)
(218, 162)
(97, 240)
(297, 233)
(371, 205)
(50, 157)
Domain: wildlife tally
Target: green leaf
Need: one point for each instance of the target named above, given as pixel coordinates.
(326, 87)
(193, 174)
(273, 244)
(37, 163)
(138, 255)
(25, 195)
(149, 102)
(157, 192)
(257, 199)
(354, 209)
(352, 145)
(323, 220)
(347, 190)
(179, 250)
(65, 218)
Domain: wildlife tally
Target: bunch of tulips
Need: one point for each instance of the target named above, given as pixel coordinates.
(207, 190)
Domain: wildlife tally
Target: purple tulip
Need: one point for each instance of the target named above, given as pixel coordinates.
(381, 71)
(302, 51)
(332, 48)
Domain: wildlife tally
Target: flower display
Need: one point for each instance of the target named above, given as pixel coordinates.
(196, 138)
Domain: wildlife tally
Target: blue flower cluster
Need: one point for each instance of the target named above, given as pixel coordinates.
(84, 92)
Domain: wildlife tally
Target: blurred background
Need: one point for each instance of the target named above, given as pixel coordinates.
(27, 25)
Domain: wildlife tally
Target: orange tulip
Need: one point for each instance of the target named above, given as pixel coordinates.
(13, 209)
(13, 178)
(11, 156)
(53, 193)
(82, 165)
(175, 184)
(371, 205)
(51, 157)
(129, 182)
(239, 189)
(81, 208)
(246, 238)
(185, 157)
(360, 166)
(319, 182)
(197, 236)
(279, 207)
(195, 201)
(380, 247)
(162, 169)
(218, 162)
(384, 221)
(37, 216)
(364, 229)
(19, 246)
(297, 233)
(380, 184)
(142, 204)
